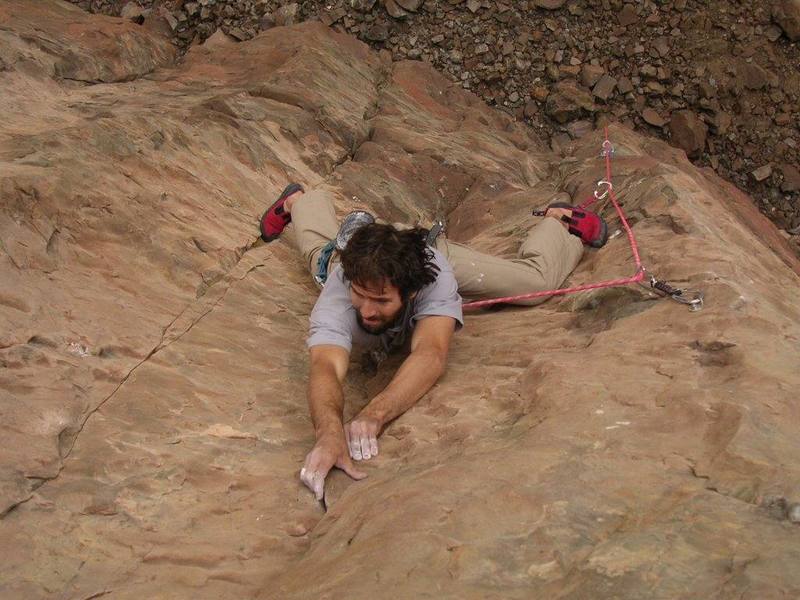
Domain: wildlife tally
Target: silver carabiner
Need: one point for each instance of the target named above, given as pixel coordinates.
(692, 298)
(609, 187)
(695, 302)
(608, 149)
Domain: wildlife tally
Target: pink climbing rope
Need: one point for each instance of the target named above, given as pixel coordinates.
(637, 277)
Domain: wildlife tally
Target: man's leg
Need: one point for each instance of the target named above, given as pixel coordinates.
(545, 259)
(315, 224)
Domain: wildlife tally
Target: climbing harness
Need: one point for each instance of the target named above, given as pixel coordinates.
(605, 189)
(321, 276)
(350, 224)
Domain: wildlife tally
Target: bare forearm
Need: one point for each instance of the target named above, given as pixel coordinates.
(413, 379)
(325, 399)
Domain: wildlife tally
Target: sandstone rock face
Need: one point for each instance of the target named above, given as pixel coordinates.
(726, 61)
(152, 367)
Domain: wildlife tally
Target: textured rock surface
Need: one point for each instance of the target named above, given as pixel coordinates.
(606, 445)
(733, 64)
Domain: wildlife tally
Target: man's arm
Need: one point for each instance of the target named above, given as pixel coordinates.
(327, 372)
(430, 344)
(328, 368)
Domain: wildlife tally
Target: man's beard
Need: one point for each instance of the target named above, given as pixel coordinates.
(382, 327)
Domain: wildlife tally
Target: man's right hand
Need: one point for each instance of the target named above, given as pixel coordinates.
(329, 451)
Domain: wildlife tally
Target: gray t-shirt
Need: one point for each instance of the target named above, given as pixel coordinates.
(333, 320)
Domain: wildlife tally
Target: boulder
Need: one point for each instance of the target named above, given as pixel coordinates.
(688, 132)
(395, 11)
(652, 117)
(569, 101)
(787, 14)
(410, 5)
(753, 76)
(604, 88)
(591, 74)
(549, 4)
(628, 16)
(624, 85)
(762, 173)
(287, 14)
(363, 6)
(791, 178)
(133, 12)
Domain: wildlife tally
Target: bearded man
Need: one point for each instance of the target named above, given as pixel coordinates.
(387, 288)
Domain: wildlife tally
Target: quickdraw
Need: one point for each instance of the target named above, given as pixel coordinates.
(692, 298)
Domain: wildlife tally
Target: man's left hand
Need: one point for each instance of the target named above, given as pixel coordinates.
(362, 437)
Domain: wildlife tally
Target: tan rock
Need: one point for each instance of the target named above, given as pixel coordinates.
(569, 101)
(688, 132)
(787, 14)
(652, 117)
(410, 5)
(762, 173)
(153, 364)
(591, 74)
(791, 178)
(604, 89)
(394, 9)
(628, 16)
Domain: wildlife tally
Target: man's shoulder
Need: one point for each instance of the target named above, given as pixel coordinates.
(441, 297)
(333, 316)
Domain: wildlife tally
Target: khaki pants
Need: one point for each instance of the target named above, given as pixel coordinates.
(546, 257)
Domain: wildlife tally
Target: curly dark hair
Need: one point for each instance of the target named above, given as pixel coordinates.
(379, 252)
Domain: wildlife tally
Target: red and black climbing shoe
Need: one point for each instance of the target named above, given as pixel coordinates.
(585, 224)
(277, 218)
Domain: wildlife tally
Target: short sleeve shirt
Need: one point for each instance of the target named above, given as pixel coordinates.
(333, 320)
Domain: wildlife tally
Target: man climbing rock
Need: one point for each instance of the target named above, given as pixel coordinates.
(387, 288)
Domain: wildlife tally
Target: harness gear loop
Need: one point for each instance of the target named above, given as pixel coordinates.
(321, 276)
(608, 187)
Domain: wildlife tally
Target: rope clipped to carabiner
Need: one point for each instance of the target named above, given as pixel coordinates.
(605, 189)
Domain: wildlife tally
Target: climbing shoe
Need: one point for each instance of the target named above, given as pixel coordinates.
(352, 222)
(585, 224)
(275, 219)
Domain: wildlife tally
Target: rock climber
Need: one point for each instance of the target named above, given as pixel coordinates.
(387, 288)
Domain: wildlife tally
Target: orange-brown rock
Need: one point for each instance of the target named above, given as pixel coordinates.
(610, 444)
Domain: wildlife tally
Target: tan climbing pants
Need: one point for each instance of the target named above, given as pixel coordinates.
(546, 257)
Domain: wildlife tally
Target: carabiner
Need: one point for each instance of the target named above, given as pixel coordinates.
(692, 298)
(609, 187)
